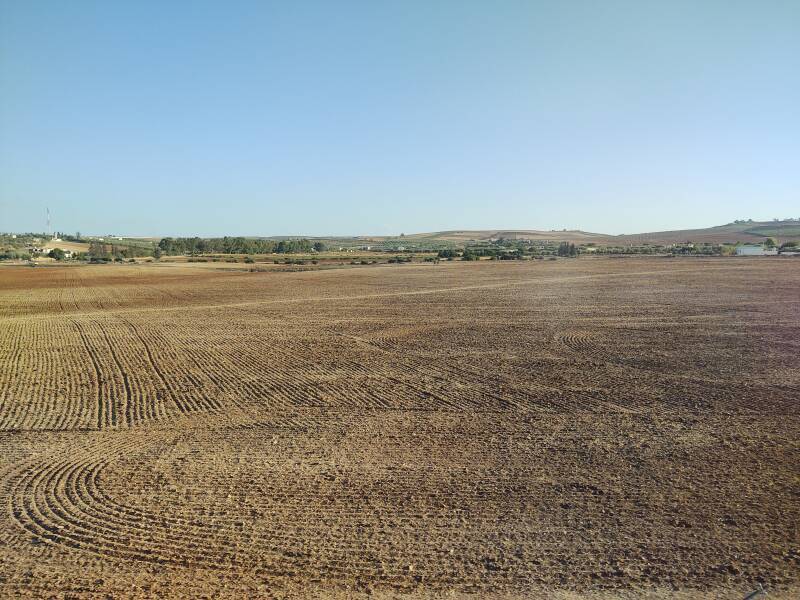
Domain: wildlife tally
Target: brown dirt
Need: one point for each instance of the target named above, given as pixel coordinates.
(64, 245)
(576, 428)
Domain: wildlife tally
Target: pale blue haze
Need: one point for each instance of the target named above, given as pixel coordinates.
(261, 118)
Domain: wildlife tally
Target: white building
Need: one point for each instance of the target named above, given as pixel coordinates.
(755, 250)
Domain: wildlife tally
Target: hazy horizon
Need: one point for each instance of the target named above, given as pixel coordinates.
(55, 227)
(357, 119)
(110, 232)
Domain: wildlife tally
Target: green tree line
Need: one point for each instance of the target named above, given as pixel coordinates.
(235, 245)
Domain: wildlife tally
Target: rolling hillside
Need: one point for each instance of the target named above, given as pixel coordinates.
(747, 232)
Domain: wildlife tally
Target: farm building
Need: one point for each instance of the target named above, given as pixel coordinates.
(44, 251)
(754, 250)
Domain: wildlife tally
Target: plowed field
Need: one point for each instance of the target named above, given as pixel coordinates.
(572, 428)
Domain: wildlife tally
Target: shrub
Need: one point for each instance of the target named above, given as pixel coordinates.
(14, 254)
(57, 253)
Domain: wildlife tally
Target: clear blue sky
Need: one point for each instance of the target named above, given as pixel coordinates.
(260, 118)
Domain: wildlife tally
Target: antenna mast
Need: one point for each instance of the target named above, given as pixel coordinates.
(49, 232)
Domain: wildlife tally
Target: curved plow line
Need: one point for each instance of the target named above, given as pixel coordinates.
(53, 503)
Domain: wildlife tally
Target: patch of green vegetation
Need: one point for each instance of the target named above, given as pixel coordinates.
(776, 230)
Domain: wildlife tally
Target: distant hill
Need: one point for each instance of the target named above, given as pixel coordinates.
(732, 233)
(509, 234)
(744, 232)
(755, 232)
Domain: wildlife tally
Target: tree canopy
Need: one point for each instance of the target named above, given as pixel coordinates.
(234, 245)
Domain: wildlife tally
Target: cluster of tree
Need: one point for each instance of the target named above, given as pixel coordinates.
(13, 254)
(790, 247)
(448, 253)
(567, 249)
(235, 245)
(100, 252)
(698, 249)
(509, 256)
(71, 238)
(475, 252)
